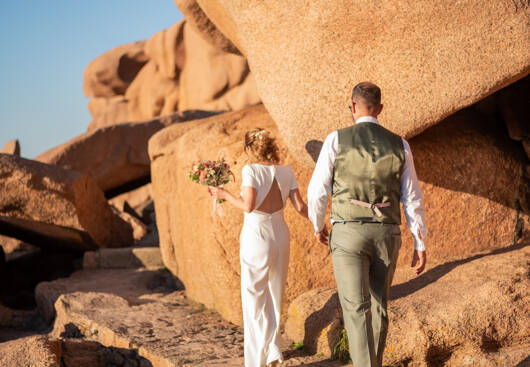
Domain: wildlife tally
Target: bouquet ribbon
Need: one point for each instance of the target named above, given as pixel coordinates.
(216, 208)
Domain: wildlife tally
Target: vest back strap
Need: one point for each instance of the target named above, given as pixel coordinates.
(374, 207)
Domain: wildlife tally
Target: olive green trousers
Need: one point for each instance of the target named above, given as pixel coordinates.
(364, 259)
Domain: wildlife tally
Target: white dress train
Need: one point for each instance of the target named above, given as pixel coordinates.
(264, 255)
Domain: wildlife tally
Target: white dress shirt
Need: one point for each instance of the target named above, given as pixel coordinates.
(321, 182)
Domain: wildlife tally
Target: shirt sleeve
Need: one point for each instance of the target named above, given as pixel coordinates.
(247, 177)
(411, 197)
(320, 185)
(294, 184)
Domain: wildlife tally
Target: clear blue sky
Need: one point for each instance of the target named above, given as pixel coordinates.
(46, 46)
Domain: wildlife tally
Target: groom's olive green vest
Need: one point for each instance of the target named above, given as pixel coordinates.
(368, 168)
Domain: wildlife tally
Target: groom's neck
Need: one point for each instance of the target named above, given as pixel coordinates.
(356, 117)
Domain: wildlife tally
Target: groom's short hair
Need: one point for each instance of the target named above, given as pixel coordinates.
(368, 92)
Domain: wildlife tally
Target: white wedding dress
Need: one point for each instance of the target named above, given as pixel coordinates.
(264, 254)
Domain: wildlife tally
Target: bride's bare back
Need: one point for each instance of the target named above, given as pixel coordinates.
(273, 201)
(280, 183)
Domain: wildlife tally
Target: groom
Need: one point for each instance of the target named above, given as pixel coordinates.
(368, 170)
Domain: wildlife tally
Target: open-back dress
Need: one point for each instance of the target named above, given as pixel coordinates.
(264, 254)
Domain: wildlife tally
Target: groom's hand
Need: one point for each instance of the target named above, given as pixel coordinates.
(419, 259)
(323, 236)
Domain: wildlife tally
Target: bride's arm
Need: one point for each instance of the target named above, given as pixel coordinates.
(298, 203)
(246, 203)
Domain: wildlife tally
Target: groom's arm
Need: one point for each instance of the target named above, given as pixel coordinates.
(411, 198)
(320, 185)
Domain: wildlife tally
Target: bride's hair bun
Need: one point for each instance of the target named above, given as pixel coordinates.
(262, 145)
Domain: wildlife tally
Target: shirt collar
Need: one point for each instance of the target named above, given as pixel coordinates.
(367, 119)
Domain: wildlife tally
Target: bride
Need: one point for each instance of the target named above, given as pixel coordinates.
(264, 244)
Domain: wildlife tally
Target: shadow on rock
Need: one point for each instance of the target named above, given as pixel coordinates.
(313, 147)
(432, 275)
(323, 317)
(525, 362)
(79, 352)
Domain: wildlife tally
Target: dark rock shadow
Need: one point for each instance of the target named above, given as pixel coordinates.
(21, 274)
(49, 237)
(472, 152)
(126, 187)
(322, 317)
(71, 331)
(82, 352)
(524, 363)
(432, 275)
(437, 356)
(313, 147)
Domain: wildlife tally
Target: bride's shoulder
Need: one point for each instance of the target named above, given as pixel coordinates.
(286, 168)
(247, 168)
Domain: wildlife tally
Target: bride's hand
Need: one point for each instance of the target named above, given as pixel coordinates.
(217, 192)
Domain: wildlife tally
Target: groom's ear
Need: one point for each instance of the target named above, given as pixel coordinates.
(380, 108)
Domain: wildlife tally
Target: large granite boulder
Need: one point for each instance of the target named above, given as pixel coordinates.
(470, 174)
(175, 70)
(54, 207)
(107, 111)
(430, 58)
(111, 73)
(471, 312)
(167, 50)
(186, 72)
(151, 94)
(211, 79)
(114, 155)
(34, 351)
(200, 22)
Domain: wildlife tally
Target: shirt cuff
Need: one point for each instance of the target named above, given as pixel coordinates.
(318, 227)
(419, 245)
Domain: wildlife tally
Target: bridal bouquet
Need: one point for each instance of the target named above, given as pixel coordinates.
(211, 173)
